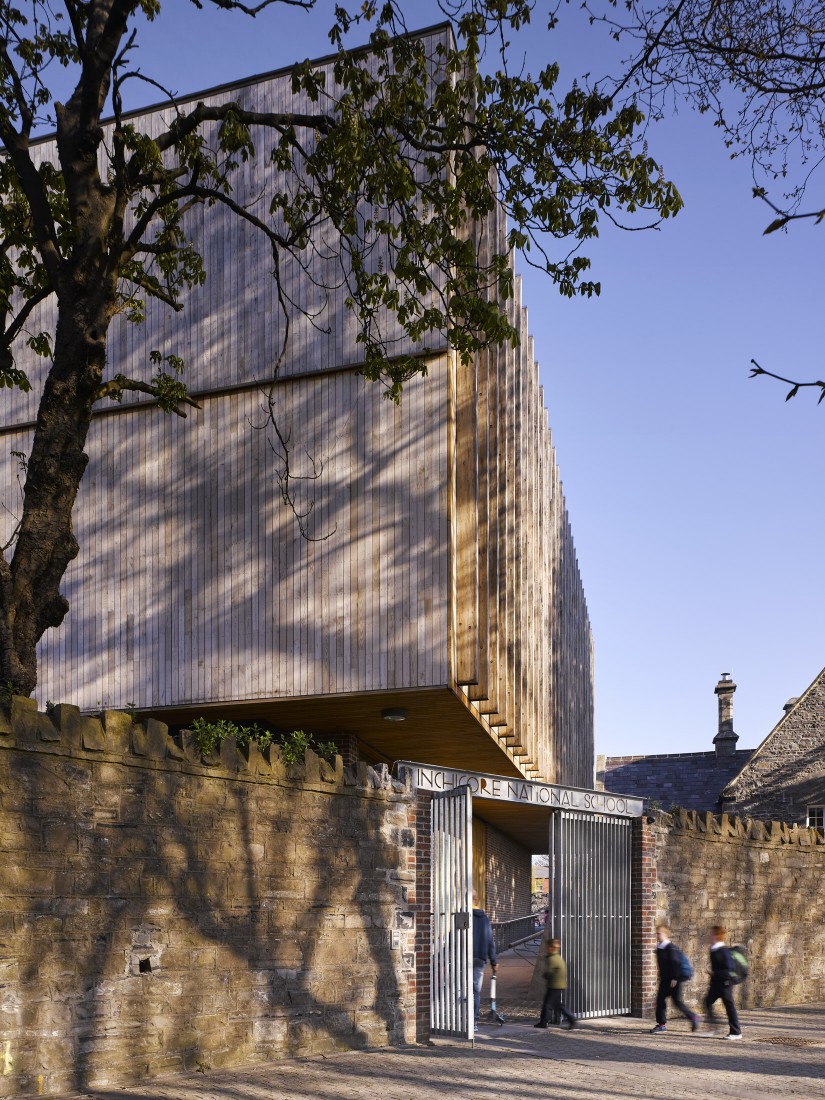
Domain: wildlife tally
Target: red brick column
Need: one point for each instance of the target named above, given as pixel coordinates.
(421, 906)
(347, 745)
(642, 919)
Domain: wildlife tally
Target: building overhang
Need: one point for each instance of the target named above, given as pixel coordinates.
(438, 727)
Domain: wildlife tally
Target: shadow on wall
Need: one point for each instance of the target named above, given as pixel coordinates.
(208, 590)
(176, 919)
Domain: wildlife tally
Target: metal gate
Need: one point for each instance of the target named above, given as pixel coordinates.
(451, 965)
(590, 909)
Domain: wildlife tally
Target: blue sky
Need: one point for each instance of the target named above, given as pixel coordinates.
(694, 493)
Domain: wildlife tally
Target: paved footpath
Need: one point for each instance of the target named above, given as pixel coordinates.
(782, 1055)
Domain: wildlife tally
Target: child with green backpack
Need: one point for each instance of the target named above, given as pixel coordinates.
(724, 974)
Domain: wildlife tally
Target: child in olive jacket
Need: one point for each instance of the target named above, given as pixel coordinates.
(555, 975)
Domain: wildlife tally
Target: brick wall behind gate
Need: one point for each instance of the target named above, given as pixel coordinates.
(509, 877)
(764, 881)
(159, 911)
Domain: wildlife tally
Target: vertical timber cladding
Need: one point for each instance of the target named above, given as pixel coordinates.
(521, 649)
(590, 909)
(244, 607)
(451, 956)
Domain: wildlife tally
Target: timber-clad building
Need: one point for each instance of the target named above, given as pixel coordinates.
(439, 580)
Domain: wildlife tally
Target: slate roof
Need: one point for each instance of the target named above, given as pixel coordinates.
(693, 780)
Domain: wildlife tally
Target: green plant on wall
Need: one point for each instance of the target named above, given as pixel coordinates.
(209, 734)
(295, 744)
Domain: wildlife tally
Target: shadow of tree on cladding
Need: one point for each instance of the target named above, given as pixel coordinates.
(203, 927)
(216, 596)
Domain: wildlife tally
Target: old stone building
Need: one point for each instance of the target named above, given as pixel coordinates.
(693, 780)
(782, 780)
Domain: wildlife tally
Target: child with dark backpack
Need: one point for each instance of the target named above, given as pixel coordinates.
(674, 970)
(725, 972)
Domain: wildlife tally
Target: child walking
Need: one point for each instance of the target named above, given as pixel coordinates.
(671, 982)
(555, 975)
(721, 985)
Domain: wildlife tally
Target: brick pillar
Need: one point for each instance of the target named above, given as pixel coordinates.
(421, 906)
(347, 745)
(643, 920)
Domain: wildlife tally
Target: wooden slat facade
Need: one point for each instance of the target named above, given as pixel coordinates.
(444, 556)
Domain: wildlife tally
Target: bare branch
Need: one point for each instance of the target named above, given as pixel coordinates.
(254, 9)
(756, 370)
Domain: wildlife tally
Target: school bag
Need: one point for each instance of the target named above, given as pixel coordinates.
(740, 964)
(684, 971)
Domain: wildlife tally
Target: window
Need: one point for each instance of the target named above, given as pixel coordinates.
(816, 817)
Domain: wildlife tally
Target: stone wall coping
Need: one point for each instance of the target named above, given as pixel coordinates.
(726, 827)
(115, 737)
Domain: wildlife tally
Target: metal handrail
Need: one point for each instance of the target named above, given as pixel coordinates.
(507, 933)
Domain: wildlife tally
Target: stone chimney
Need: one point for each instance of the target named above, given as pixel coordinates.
(725, 740)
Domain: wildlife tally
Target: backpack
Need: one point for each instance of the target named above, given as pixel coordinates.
(684, 971)
(740, 964)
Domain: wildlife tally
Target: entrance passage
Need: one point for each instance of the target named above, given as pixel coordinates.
(590, 909)
(590, 867)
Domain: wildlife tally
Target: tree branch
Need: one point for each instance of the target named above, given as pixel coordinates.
(14, 329)
(77, 26)
(188, 124)
(26, 116)
(253, 9)
(756, 370)
(115, 388)
(156, 291)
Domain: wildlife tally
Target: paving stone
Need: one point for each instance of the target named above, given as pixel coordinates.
(615, 1058)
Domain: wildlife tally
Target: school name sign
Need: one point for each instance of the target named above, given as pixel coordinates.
(502, 788)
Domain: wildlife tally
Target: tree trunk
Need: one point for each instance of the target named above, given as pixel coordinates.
(30, 597)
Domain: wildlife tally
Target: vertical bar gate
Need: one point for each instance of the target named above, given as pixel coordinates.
(590, 909)
(451, 959)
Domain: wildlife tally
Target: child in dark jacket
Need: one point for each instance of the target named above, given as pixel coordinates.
(670, 982)
(721, 986)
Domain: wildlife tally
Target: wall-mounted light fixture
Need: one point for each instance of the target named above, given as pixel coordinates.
(394, 714)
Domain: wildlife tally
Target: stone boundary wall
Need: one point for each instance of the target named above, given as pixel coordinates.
(764, 881)
(160, 911)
